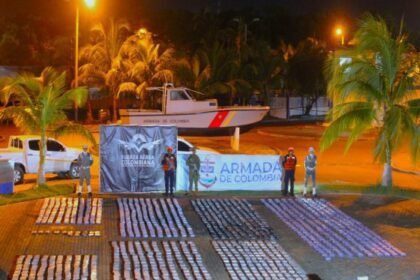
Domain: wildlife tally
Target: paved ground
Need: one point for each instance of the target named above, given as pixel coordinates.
(394, 219)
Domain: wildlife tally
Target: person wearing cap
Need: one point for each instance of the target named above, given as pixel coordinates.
(289, 166)
(169, 167)
(310, 165)
(85, 161)
(193, 163)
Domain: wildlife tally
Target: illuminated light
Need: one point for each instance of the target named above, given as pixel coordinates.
(90, 3)
(339, 31)
(142, 31)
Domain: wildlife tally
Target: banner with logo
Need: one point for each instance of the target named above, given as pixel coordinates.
(131, 157)
(233, 172)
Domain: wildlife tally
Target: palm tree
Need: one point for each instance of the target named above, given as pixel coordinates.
(305, 70)
(97, 56)
(41, 110)
(266, 69)
(194, 71)
(139, 64)
(373, 87)
(213, 70)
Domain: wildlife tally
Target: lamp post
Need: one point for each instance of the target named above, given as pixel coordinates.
(89, 4)
(340, 32)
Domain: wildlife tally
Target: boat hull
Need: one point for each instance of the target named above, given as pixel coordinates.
(221, 118)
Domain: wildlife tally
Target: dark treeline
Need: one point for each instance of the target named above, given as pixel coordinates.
(228, 54)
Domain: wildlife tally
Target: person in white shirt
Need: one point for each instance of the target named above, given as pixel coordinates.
(310, 171)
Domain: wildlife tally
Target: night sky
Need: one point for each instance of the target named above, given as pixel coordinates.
(390, 9)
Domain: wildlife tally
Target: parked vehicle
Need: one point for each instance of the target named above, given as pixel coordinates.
(24, 151)
(184, 147)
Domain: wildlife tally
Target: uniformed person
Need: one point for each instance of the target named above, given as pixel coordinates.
(169, 167)
(85, 161)
(193, 163)
(289, 165)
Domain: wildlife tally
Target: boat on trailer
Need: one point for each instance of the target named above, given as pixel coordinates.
(179, 107)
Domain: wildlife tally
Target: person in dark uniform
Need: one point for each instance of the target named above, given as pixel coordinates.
(193, 163)
(169, 165)
(289, 166)
(85, 161)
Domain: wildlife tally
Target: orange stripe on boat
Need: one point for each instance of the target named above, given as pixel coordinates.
(218, 119)
(229, 118)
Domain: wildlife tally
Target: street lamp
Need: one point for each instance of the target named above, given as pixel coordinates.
(89, 4)
(340, 32)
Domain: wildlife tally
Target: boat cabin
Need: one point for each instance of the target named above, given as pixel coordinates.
(177, 100)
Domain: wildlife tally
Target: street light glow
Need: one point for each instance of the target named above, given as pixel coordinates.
(90, 3)
(340, 32)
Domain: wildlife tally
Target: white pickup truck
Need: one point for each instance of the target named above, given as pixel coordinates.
(24, 151)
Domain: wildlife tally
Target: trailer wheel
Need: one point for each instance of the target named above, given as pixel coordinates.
(19, 174)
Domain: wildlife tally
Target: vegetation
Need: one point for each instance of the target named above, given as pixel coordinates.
(226, 55)
(42, 101)
(98, 58)
(373, 88)
(42, 191)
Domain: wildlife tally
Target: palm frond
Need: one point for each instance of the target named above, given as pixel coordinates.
(77, 95)
(354, 117)
(71, 129)
(164, 75)
(23, 117)
(126, 87)
(414, 107)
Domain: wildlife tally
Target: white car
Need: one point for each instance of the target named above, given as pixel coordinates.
(23, 150)
(184, 147)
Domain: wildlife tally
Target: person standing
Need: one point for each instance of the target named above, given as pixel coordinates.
(310, 166)
(169, 167)
(193, 163)
(85, 161)
(289, 166)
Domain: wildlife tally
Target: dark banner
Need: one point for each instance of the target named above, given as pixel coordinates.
(131, 156)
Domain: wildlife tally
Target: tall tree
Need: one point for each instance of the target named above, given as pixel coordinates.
(216, 71)
(372, 86)
(140, 63)
(41, 111)
(97, 56)
(266, 68)
(305, 70)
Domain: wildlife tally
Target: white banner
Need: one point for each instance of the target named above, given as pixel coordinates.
(233, 172)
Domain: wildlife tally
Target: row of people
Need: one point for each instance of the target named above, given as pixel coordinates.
(289, 163)
(169, 166)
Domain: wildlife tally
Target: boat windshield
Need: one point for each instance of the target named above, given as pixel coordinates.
(195, 94)
(179, 95)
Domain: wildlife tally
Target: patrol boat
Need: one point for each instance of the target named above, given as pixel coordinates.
(178, 106)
